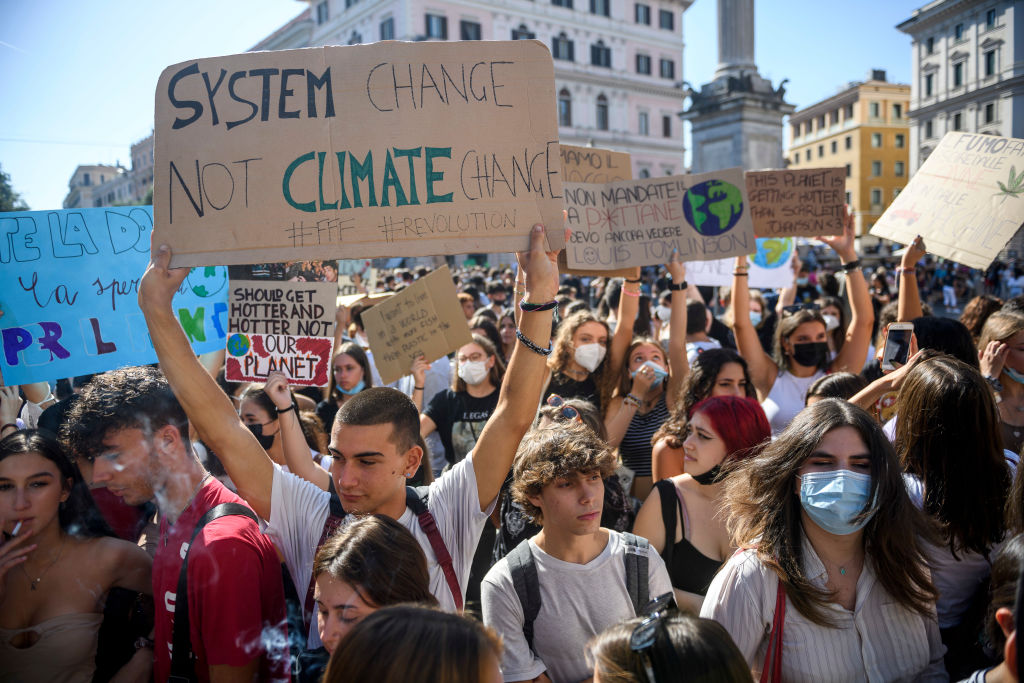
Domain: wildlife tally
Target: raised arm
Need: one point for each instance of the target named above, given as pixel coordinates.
(763, 370)
(207, 407)
(296, 450)
(629, 306)
(787, 295)
(909, 306)
(858, 335)
(678, 365)
(419, 376)
(524, 379)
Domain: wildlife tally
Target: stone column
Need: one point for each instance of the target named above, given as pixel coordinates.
(735, 37)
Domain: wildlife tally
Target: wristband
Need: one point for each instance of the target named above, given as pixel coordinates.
(901, 269)
(994, 383)
(527, 307)
(628, 293)
(633, 282)
(9, 424)
(285, 410)
(530, 345)
(852, 265)
(673, 287)
(739, 273)
(417, 388)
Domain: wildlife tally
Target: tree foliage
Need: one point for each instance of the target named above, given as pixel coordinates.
(9, 199)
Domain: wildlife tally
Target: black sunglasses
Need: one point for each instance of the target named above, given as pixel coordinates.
(646, 632)
(796, 308)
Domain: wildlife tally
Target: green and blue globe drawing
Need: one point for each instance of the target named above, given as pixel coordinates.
(205, 281)
(238, 344)
(773, 252)
(713, 207)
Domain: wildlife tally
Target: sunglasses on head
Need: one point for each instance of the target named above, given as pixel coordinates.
(796, 308)
(568, 412)
(645, 634)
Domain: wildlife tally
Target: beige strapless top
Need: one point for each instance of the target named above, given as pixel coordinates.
(64, 653)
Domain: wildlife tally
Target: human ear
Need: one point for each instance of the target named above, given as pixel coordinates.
(1004, 617)
(412, 461)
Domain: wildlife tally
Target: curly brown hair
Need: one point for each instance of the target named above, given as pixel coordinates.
(555, 452)
(563, 352)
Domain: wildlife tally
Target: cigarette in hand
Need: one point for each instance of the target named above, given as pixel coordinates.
(17, 528)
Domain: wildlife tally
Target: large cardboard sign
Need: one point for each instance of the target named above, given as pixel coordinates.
(594, 165)
(797, 203)
(285, 326)
(359, 151)
(423, 319)
(70, 294)
(770, 267)
(966, 200)
(639, 222)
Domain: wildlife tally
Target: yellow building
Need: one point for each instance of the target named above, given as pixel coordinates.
(864, 128)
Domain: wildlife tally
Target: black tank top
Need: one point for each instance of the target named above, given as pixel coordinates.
(689, 569)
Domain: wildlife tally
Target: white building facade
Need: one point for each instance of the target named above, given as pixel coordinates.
(618, 63)
(968, 71)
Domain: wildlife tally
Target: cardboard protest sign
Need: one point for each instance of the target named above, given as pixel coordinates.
(423, 319)
(356, 276)
(966, 200)
(409, 148)
(639, 222)
(797, 203)
(594, 165)
(70, 295)
(771, 266)
(285, 326)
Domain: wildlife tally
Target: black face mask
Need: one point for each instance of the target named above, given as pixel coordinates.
(709, 477)
(265, 440)
(811, 354)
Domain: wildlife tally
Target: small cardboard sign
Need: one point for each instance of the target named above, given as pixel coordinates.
(966, 200)
(411, 148)
(639, 222)
(594, 165)
(70, 294)
(797, 203)
(286, 326)
(356, 276)
(770, 266)
(424, 319)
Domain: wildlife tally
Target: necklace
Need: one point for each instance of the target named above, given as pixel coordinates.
(32, 583)
(578, 375)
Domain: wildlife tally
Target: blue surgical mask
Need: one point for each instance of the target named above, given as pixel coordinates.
(659, 373)
(1013, 374)
(755, 318)
(802, 281)
(354, 390)
(834, 499)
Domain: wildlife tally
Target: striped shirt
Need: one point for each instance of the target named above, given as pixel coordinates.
(636, 447)
(880, 640)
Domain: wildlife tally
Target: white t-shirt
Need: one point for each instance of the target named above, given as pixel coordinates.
(578, 601)
(787, 398)
(298, 510)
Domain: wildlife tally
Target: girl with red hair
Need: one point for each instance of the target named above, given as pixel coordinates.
(681, 516)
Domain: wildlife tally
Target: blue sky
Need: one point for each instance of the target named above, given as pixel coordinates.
(78, 77)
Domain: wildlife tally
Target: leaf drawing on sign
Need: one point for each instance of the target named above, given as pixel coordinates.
(1014, 187)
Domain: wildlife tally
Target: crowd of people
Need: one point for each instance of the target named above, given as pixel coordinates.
(608, 483)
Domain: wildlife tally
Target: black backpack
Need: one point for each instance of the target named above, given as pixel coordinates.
(524, 578)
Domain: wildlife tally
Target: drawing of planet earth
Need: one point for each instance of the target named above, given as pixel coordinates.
(205, 281)
(773, 252)
(238, 344)
(713, 207)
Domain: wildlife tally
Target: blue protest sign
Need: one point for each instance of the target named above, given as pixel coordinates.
(70, 288)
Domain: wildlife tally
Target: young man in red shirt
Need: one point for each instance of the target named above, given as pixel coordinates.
(132, 429)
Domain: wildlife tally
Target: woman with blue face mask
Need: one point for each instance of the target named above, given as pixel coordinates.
(649, 383)
(1001, 353)
(830, 558)
(350, 374)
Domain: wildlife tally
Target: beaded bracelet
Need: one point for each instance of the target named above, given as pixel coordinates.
(530, 345)
(527, 307)
(628, 293)
(901, 269)
(631, 400)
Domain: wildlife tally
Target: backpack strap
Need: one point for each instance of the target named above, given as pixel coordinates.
(183, 662)
(524, 580)
(418, 505)
(771, 672)
(669, 504)
(335, 516)
(637, 578)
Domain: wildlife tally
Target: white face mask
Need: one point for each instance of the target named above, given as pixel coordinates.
(831, 322)
(664, 313)
(473, 372)
(589, 355)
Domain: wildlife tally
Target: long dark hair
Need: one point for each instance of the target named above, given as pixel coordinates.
(78, 515)
(764, 512)
(946, 411)
(359, 356)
